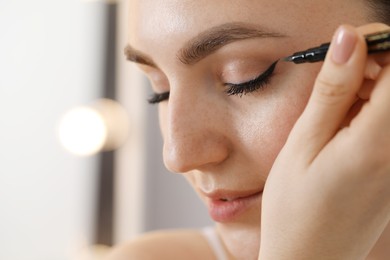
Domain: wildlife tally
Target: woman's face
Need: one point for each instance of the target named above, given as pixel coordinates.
(230, 111)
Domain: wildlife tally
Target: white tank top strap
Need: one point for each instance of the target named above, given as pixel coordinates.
(215, 243)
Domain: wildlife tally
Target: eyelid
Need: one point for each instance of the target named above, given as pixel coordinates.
(157, 77)
(159, 83)
(260, 77)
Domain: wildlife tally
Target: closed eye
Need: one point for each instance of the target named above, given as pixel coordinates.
(158, 97)
(252, 85)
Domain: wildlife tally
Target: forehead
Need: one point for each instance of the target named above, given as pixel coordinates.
(157, 18)
(171, 23)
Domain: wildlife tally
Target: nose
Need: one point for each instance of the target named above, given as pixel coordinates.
(194, 132)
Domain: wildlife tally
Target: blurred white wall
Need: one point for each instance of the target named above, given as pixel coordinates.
(51, 55)
(50, 60)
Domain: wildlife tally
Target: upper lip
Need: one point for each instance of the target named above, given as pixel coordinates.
(230, 195)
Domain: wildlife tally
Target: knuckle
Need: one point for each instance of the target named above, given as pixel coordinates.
(330, 87)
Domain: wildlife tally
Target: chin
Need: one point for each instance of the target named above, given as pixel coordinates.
(242, 240)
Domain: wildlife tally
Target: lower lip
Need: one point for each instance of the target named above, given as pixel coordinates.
(226, 211)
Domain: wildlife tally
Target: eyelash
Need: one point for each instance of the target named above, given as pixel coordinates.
(234, 89)
(252, 85)
(158, 97)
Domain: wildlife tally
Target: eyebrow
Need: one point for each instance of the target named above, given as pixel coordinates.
(138, 57)
(215, 38)
(207, 42)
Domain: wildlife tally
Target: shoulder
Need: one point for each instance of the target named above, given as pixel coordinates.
(178, 244)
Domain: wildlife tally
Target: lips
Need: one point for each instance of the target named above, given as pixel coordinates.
(227, 206)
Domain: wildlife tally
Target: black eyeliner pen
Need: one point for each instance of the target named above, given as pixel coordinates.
(376, 42)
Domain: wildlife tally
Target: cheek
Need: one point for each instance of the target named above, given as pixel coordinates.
(281, 121)
(268, 128)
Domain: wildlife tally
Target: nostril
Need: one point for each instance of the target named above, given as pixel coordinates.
(194, 153)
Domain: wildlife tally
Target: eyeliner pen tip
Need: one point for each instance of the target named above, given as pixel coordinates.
(287, 59)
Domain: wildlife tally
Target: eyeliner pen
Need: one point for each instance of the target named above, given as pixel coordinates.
(376, 42)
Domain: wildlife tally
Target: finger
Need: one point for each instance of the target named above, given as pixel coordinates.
(363, 96)
(334, 91)
(353, 111)
(372, 28)
(378, 111)
(372, 69)
(366, 89)
(372, 125)
(381, 59)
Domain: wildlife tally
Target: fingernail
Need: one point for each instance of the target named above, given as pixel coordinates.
(344, 44)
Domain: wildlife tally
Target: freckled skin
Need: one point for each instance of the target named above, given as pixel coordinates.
(230, 142)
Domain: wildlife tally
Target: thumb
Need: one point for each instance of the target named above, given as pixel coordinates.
(334, 92)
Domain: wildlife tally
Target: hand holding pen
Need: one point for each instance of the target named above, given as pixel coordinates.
(376, 42)
(335, 166)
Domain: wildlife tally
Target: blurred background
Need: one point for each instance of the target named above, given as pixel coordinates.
(80, 150)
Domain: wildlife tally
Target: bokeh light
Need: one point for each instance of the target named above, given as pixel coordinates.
(82, 131)
(101, 126)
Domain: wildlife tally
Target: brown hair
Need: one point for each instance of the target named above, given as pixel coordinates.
(381, 10)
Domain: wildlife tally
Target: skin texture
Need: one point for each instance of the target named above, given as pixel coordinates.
(224, 144)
